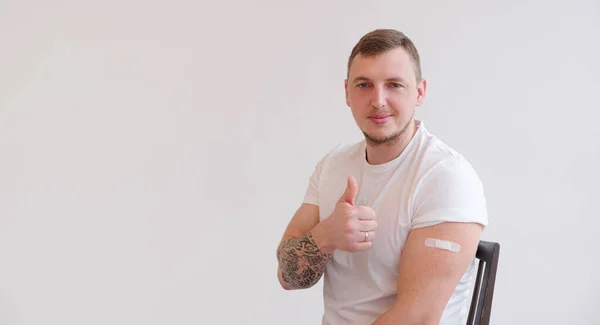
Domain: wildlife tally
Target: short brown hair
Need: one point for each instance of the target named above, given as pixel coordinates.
(383, 40)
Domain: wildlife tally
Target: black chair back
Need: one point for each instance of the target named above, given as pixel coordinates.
(483, 293)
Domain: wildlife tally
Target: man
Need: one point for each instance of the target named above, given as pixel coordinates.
(392, 221)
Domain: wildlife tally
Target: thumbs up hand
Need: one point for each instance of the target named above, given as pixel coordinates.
(349, 228)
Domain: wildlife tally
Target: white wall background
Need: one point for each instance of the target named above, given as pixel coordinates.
(152, 152)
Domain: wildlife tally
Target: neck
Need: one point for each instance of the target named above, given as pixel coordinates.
(381, 153)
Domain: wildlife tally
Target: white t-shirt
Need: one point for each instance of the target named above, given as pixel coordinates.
(427, 184)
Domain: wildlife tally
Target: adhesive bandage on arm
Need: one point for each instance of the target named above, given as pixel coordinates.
(442, 244)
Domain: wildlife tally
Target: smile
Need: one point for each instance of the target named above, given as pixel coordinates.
(380, 119)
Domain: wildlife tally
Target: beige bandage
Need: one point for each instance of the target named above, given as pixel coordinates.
(442, 244)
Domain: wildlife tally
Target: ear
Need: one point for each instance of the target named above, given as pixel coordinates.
(421, 91)
(346, 91)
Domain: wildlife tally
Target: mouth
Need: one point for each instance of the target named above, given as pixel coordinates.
(380, 119)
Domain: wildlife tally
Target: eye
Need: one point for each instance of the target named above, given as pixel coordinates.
(362, 85)
(395, 85)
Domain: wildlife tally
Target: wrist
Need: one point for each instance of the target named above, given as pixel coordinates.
(318, 235)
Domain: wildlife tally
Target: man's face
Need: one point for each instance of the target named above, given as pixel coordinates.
(382, 92)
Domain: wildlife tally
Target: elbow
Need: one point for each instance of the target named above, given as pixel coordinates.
(283, 284)
(298, 286)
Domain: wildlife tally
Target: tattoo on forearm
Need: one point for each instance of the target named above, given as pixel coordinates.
(302, 263)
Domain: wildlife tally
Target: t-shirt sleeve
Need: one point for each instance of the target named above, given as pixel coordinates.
(311, 195)
(452, 192)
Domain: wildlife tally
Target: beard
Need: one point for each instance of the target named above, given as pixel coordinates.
(390, 139)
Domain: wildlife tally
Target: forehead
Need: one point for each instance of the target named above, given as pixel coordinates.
(394, 62)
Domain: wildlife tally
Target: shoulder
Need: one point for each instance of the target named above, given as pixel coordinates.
(346, 150)
(454, 173)
(451, 191)
(341, 154)
(439, 161)
(447, 187)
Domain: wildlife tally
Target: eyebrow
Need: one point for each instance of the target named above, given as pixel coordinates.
(361, 78)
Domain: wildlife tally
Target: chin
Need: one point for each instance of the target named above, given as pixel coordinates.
(377, 138)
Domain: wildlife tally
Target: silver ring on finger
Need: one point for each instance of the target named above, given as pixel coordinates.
(366, 236)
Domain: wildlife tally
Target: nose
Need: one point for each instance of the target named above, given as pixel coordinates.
(378, 99)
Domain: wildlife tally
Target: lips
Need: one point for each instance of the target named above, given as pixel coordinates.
(380, 119)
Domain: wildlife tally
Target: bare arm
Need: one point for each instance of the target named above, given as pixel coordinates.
(428, 276)
(301, 262)
(307, 244)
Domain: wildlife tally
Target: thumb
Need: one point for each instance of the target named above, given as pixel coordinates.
(351, 190)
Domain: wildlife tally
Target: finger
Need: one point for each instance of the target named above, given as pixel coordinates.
(367, 225)
(365, 213)
(361, 238)
(362, 246)
(349, 195)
